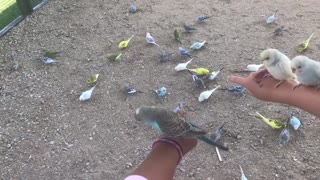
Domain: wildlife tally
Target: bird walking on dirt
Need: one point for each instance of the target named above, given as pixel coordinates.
(150, 40)
(184, 52)
(183, 66)
(199, 82)
(201, 19)
(188, 29)
(307, 71)
(278, 31)
(272, 18)
(216, 135)
(177, 35)
(278, 65)
(206, 94)
(170, 124)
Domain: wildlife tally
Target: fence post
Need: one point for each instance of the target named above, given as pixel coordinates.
(25, 7)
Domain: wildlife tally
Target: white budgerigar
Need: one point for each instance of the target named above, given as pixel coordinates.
(182, 66)
(278, 65)
(86, 95)
(254, 67)
(206, 94)
(150, 39)
(307, 71)
(197, 45)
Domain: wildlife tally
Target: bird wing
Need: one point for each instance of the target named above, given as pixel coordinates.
(285, 68)
(173, 125)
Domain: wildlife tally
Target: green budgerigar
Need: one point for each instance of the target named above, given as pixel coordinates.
(171, 124)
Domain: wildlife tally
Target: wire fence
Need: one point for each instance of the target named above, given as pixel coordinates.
(14, 11)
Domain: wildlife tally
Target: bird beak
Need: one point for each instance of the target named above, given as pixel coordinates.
(293, 70)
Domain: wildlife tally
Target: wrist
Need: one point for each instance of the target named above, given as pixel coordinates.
(165, 151)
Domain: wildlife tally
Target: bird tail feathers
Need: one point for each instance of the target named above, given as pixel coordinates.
(209, 141)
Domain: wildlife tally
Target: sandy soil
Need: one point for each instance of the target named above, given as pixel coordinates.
(47, 133)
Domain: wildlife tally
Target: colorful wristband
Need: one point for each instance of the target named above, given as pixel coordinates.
(174, 143)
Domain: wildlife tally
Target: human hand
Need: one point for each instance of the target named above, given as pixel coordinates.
(262, 87)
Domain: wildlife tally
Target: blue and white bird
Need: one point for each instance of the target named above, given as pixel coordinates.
(133, 9)
(161, 91)
(199, 82)
(188, 29)
(170, 124)
(216, 135)
(202, 19)
(47, 60)
(150, 39)
(272, 18)
(197, 45)
(86, 95)
(294, 122)
(243, 176)
(184, 52)
(237, 89)
(285, 135)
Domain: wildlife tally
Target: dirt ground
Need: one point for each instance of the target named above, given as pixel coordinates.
(47, 133)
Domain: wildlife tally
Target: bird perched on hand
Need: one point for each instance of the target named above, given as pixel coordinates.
(307, 71)
(278, 65)
(171, 124)
(177, 35)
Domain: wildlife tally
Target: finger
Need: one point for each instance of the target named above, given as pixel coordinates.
(238, 80)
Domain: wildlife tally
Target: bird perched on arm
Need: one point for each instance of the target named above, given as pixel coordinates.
(278, 65)
(171, 124)
(307, 71)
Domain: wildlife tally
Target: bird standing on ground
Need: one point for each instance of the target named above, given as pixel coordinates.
(307, 71)
(171, 124)
(177, 35)
(197, 80)
(150, 39)
(272, 18)
(278, 65)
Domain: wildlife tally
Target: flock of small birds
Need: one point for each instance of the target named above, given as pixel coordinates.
(278, 65)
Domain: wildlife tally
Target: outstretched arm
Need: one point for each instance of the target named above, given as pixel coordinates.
(305, 98)
(162, 161)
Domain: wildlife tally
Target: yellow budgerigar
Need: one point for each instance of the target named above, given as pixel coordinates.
(200, 71)
(93, 79)
(275, 124)
(124, 44)
(304, 45)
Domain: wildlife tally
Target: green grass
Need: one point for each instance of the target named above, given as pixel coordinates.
(11, 12)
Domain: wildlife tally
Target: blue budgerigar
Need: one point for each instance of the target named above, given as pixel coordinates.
(133, 9)
(202, 19)
(285, 135)
(170, 124)
(188, 29)
(272, 18)
(199, 82)
(47, 60)
(216, 135)
(237, 89)
(161, 91)
(184, 52)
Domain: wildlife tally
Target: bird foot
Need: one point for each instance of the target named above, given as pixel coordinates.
(296, 86)
(278, 84)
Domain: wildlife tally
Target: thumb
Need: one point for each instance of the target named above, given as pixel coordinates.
(238, 80)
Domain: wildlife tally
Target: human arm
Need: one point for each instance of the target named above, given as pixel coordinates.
(303, 97)
(162, 161)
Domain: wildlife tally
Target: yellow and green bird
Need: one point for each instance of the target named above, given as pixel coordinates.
(177, 35)
(275, 124)
(200, 71)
